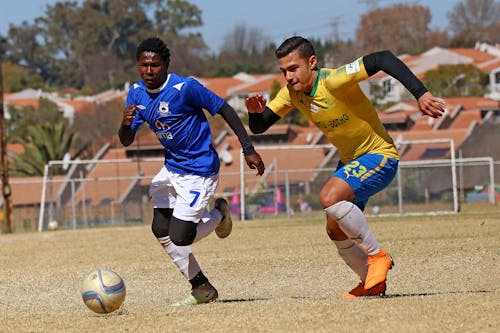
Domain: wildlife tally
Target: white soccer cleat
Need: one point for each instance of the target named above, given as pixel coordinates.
(204, 293)
(226, 224)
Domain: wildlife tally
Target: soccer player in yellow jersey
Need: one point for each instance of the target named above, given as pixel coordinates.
(333, 100)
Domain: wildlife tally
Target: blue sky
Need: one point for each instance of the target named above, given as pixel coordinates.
(277, 19)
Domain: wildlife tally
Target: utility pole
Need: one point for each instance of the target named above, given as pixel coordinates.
(6, 192)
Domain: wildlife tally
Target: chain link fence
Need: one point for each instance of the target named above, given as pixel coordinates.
(420, 187)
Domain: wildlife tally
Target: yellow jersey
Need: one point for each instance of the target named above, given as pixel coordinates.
(340, 109)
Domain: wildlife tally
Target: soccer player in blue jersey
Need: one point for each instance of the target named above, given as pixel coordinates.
(333, 100)
(182, 192)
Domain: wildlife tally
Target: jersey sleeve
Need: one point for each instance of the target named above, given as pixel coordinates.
(351, 73)
(282, 103)
(132, 99)
(200, 97)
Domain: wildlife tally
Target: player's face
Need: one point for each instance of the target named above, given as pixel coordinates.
(153, 69)
(300, 73)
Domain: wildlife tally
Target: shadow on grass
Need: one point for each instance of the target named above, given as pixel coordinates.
(436, 293)
(238, 300)
(426, 294)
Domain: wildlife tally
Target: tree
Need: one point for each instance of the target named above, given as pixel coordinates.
(244, 49)
(335, 53)
(171, 20)
(475, 20)
(91, 44)
(42, 144)
(19, 77)
(76, 36)
(97, 125)
(178, 15)
(456, 80)
(3, 46)
(243, 41)
(377, 93)
(25, 48)
(22, 117)
(6, 190)
(399, 28)
(439, 38)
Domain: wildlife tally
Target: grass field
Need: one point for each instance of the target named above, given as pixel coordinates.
(272, 276)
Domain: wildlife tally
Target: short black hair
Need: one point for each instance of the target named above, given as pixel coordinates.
(291, 44)
(156, 45)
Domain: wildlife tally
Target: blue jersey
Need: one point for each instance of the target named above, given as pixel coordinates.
(175, 114)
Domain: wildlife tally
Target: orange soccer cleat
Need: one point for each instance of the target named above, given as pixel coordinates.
(360, 291)
(378, 266)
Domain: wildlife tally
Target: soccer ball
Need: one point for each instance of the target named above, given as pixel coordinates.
(53, 225)
(103, 291)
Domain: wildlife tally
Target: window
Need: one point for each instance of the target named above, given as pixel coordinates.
(435, 153)
(387, 86)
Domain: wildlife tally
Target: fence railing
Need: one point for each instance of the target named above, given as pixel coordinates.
(421, 187)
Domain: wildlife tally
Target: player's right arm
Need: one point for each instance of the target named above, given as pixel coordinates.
(125, 133)
(260, 117)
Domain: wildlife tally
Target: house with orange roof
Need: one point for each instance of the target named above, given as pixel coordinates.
(31, 97)
(67, 105)
(222, 85)
(236, 88)
(463, 115)
(116, 190)
(483, 56)
(470, 122)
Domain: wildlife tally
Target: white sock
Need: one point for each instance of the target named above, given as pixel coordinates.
(182, 256)
(353, 223)
(203, 229)
(353, 256)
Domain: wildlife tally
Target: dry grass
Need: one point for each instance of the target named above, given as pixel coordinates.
(272, 276)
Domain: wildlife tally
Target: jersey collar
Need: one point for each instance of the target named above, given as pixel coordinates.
(315, 84)
(157, 90)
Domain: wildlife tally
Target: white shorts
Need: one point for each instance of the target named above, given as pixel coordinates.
(189, 195)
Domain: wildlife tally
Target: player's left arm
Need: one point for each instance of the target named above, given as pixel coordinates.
(252, 158)
(387, 62)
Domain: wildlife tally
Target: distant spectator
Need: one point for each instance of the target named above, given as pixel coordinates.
(303, 205)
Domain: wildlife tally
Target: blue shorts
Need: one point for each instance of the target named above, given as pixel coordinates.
(367, 175)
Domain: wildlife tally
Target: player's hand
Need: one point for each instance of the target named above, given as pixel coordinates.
(431, 106)
(255, 103)
(254, 161)
(129, 115)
